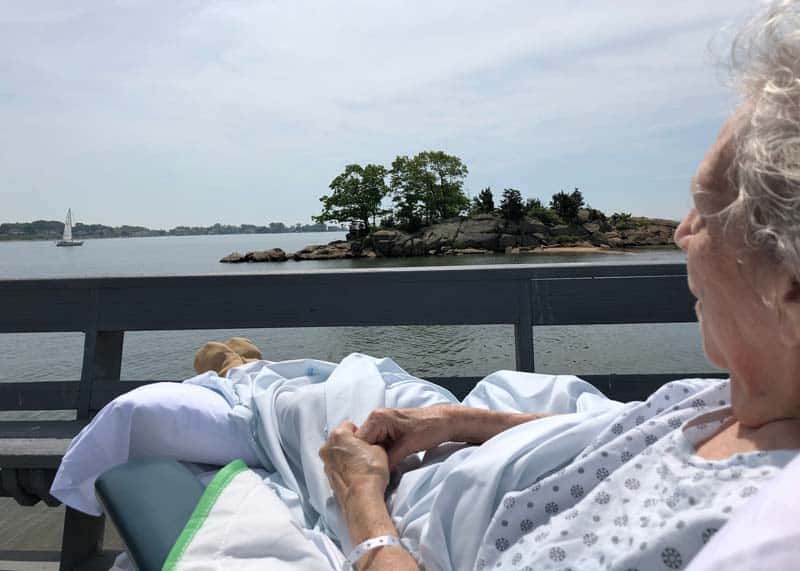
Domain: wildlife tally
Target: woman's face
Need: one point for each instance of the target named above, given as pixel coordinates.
(721, 271)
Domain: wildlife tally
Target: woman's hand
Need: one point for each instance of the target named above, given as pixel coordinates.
(352, 464)
(403, 431)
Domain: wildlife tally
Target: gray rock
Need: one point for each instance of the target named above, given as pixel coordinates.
(533, 240)
(413, 247)
(439, 236)
(333, 251)
(479, 240)
(388, 242)
(481, 232)
(507, 241)
(561, 230)
(598, 239)
(597, 226)
(272, 255)
(233, 258)
(533, 226)
(481, 224)
(466, 251)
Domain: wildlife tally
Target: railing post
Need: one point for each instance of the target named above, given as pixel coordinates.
(523, 328)
(82, 538)
(102, 360)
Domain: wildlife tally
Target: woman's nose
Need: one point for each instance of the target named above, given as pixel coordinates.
(684, 230)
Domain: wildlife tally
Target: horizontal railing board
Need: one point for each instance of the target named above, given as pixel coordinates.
(395, 296)
(45, 395)
(44, 306)
(36, 444)
(617, 300)
(308, 305)
(61, 395)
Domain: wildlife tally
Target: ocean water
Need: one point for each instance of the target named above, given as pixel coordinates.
(425, 351)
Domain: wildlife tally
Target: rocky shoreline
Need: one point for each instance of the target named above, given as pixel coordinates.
(483, 234)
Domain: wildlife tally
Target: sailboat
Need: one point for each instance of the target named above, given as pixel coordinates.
(67, 240)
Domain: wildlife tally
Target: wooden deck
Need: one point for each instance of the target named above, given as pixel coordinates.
(31, 538)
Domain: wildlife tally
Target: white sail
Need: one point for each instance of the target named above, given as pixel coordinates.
(68, 227)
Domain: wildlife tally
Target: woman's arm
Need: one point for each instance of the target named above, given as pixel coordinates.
(403, 431)
(366, 516)
(477, 425)
(358, 474)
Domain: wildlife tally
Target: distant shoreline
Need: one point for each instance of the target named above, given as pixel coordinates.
(159, 234)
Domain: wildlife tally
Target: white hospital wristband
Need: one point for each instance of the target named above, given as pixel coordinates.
(365, 546)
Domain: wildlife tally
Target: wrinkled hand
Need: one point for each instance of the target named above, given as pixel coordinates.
(352, 464)
(403, 431)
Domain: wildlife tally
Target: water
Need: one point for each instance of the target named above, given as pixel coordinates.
(425, 351)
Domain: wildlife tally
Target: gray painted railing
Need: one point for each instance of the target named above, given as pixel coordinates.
(524, 296)
(105, 308)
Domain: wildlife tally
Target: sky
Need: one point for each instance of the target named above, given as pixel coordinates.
(174, 113)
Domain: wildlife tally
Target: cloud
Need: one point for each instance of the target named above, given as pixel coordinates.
(119, 106)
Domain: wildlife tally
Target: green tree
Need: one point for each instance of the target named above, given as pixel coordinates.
(356, 197)
(427, 188)
(511, 206)
(621, 220)
(535, 209)
(484, 202)
(566, 205)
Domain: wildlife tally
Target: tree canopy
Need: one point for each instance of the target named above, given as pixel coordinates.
(566, 205)
(356, 197)
(428, 187)
(511, 206)
(483, 203)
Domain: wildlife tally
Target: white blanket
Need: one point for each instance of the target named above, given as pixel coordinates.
(443, 506)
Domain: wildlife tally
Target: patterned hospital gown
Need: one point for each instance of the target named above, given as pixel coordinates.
(638, 498)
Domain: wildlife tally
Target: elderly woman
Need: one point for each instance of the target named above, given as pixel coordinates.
(563, 478)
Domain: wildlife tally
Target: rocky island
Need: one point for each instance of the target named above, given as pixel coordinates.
(486, 234)
(432, 216)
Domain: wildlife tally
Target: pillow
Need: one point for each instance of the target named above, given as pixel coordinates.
(175, 420)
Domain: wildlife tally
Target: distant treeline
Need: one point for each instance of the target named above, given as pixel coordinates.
(53, 229)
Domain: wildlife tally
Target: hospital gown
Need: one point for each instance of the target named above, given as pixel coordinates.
(628, 505)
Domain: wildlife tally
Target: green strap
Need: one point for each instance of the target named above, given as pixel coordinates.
(200, 513)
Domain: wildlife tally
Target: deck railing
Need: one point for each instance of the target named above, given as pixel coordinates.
(525, 296)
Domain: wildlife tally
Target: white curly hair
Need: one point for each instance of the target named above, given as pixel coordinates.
(765, 170)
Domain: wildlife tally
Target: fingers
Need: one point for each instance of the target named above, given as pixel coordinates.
(373, 430)
(397, 455)
(345, 430)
